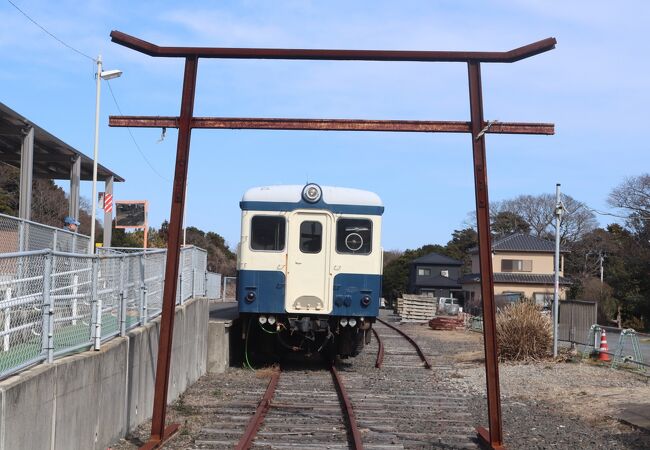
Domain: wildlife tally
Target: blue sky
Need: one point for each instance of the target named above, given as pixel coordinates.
(594, 86)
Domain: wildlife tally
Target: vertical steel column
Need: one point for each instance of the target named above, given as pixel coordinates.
(48, 310)
(96, 306)
(75, 178)
(26, 174)
(158, 432)
(494, 436)
(143, 291)
(122, 299)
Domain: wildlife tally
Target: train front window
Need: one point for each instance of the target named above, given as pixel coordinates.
(354, 236)
(311, 237)
(268, 233)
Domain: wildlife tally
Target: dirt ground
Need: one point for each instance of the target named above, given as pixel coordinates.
(561, 403)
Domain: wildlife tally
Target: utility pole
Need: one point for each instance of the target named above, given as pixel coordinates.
(556, 288)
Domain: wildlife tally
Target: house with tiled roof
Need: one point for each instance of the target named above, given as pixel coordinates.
(436, 275)
(523, 265)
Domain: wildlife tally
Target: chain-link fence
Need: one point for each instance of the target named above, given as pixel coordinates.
(53, 303)
(19, 235)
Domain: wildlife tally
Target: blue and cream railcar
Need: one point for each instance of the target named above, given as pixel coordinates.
(309, 266)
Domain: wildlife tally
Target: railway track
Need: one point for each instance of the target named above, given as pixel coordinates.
(356, 406)
(390, 342)
(296, 411)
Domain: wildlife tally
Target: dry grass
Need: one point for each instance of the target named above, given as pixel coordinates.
(266, 372)
(523, 333)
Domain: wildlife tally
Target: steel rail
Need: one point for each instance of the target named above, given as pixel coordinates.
(262, 408)
(357, 443)
(510, 56)
(278, 123)
(427, 364)
(380, 350)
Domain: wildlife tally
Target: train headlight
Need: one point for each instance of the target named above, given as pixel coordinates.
(311, 193)
(365, 300)
(352, 322)
(262, 319)
(343, 322)
(271, 320)
(251, 296)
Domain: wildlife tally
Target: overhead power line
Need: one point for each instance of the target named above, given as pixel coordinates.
(133, 137)
(50, 33)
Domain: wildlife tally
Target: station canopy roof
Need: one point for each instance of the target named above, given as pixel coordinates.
(52, 157)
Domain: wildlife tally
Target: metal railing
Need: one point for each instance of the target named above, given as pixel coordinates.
(20, 235)
(53, 303)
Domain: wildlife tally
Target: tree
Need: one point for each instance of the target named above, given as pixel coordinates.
(460, 244)
(538, 211)
(505, 223)
(633, 196)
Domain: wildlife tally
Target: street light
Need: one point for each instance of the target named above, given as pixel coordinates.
(106, 75)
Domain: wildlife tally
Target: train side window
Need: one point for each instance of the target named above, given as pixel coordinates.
(354, 236)
(311, 237)
(268, 233)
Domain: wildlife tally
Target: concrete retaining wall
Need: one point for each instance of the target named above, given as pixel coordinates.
(89, 400)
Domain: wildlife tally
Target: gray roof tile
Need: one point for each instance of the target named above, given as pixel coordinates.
(520, 242)
(516, 278)
(437, 258)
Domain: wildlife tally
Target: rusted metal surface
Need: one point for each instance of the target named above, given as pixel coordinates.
(380, 350)
(173, 253)
(254, 424)
(423, 357)
(357, 443)
(418, 126)
(332, 55)
(485, 258)
(166, 435)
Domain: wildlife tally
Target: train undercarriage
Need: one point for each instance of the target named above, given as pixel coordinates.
(269, 335)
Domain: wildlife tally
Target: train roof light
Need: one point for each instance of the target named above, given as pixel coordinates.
(311, 193)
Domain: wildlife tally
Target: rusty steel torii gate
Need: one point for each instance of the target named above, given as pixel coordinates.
(493, 436)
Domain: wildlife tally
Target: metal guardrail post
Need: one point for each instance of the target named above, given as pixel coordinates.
(7, 322)
(193, 282)
(21, 236)
(47, 331)
(121, 298)
(180, 285)
(143, 292)
(75, 300)
(95, 306)
(21, 248)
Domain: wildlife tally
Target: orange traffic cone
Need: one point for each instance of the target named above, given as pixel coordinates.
(602, 352)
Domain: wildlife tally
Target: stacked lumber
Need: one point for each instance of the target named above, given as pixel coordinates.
(416, 308)
(447, 323)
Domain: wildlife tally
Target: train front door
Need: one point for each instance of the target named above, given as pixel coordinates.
(308, 258)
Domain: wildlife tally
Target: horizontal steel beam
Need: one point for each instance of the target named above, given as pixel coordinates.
(421, 126)
(333, 55)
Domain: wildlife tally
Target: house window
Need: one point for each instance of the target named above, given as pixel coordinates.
(311, 237)
(516, 265)
(543, 298)
(444, 273)
(268, 233)
(513, 294)
(422, 272)
(354, 236)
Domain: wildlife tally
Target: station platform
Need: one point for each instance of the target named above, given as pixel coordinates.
(223, 322)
